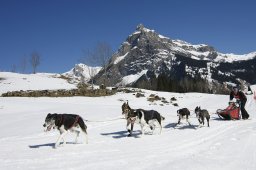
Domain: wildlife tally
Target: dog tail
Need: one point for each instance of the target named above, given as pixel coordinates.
(82, 124)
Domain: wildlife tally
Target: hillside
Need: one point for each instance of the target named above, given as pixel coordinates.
(40, 81)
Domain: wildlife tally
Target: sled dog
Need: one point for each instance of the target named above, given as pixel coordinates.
(201, 114)
(65, 123)
(142, 117)
(183, 113)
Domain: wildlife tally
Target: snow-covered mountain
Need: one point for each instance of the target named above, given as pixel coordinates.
(149, 60)
(82, 72)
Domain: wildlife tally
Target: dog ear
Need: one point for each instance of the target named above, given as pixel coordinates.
(54, 115)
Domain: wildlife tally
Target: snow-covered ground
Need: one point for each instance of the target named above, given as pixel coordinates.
(24, 144)
(224, 145)
(40, 81)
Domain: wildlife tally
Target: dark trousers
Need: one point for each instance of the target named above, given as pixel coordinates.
(245, 115)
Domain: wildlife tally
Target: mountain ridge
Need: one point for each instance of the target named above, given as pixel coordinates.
(195, 50)
(146, 54)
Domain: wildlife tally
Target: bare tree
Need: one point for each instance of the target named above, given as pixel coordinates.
(35, 61)
(103, 52)
(100, 55)
(89, 59)
(23, 64)
(14, 68)
(92, 72)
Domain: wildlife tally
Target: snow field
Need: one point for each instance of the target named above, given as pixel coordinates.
(225, 145)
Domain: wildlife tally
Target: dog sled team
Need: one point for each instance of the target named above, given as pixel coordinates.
(145, 118)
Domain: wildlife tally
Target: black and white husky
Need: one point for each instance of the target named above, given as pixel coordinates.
(183, 113)
(65, 123)
(142, 117)
(201, 115)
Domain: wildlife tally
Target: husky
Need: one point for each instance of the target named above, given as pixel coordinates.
(142, 117)
(125, 109)
(201, 114)
(65, 123)
(184, 112)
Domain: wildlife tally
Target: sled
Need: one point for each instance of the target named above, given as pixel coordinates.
(232, 112)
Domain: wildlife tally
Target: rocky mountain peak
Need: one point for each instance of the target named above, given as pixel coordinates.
(140, 27)
(147, 59)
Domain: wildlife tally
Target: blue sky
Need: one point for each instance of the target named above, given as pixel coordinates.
(59, 30)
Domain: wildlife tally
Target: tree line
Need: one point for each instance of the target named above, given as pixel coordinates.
(34, 60)
(181, 85)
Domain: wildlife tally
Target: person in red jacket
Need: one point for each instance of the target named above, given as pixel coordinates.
(239, 95)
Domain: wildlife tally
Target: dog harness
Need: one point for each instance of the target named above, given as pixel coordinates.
(132, 119)
(58, 124)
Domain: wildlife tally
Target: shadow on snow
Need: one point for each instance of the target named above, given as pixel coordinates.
(180, 127)
(48, 145)
(122, 134)
(42, 145)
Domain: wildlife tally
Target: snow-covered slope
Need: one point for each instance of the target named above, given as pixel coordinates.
(40, 81)
(202, 52)
(82, 71)
(46, 81)
(234, 57)
(225, 145)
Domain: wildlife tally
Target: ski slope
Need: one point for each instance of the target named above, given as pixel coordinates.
(224, 145)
